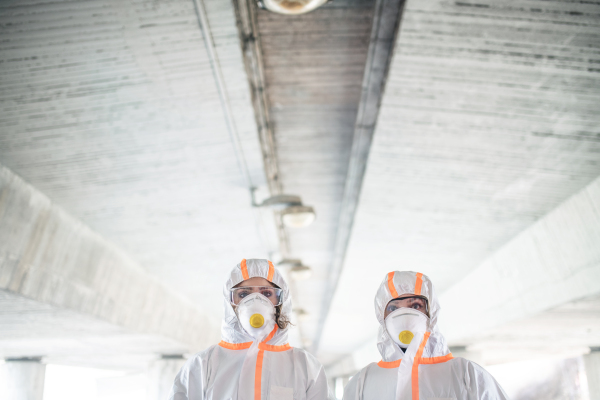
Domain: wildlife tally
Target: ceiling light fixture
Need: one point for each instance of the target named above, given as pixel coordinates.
(298, 216)
(298, 271)
(301, 272)
(289, 263)
(293, 213)
(291, 7)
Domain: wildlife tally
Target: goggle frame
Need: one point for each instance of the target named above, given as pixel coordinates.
(277, 292)
(409, 296)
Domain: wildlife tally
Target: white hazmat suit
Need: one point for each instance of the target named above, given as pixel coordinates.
(426, 370)
(240, 368)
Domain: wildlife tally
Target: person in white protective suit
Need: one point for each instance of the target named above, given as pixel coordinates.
(253, 361)
(416, 362)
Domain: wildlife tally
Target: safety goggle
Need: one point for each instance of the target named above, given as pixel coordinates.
(415, 300)
(271, 293)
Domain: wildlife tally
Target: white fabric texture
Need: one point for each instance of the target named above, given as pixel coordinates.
(228, 371)
(426, 370)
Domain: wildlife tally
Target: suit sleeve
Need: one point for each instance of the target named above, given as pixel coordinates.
(351, 389)
(189, 382)
(481, 385)
(319, 390)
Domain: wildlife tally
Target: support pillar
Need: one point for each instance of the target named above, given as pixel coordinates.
(161, 375)
(592, 370)
(25, 378)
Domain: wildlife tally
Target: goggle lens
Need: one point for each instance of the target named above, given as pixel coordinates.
(271, 293)
(419, 303)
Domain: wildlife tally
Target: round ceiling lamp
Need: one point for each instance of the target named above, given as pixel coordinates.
(298, 271)
(298, 216)
(293, 213)
(292, 7)
(301, 272)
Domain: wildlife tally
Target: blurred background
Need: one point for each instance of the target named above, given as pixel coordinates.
(147, 146)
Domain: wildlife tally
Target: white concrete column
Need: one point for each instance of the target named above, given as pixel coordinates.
(25, 378)
(592, 370)
(161, 374)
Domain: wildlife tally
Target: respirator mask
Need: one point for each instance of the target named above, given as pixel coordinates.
(256, 314)
(403, 325)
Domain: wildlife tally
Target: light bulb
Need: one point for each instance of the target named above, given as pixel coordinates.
(292, 7)
(298, 216)
(301, 272)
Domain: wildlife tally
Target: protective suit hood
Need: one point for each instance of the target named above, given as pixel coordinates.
(231, 328)
(397, 284)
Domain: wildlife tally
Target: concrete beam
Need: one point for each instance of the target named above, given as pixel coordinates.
(252, 50)
(386, 21)
(553, 262)
(50, 257)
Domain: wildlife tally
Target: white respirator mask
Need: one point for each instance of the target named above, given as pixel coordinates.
(257, 315)
(404, 323)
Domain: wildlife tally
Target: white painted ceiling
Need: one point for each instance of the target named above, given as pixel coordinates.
(110, 108)
(489, 121)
